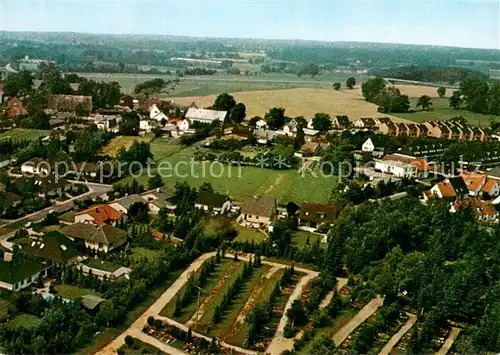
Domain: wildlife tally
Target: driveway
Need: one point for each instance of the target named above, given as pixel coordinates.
(449, 341)
(363, 314)
(386, 350)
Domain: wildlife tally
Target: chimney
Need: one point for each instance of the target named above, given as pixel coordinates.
(7, 256)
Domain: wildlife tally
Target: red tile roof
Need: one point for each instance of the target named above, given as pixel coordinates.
(103, 213)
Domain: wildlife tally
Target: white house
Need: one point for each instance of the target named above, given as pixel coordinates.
(107, 122)
(204, 115)
(364, 123)
(12, 279)
(368, 146)
(147, 125)
(36, 166)
(261, 124)
(156, 114)
(396, 168)
(183, 125)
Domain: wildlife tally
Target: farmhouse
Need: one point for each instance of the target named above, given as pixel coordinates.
(258, 211)
(213, 202)
(315, 215)
(69, 102)
(396, 168)
(204, 115)
(16, 275)
(98, 215)
(103, 238)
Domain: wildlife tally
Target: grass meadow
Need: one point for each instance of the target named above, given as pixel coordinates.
(17, 134)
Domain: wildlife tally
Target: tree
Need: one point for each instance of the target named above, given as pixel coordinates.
(129, 341)
(275, 118)
(40, 120)
(322, 122)
(129, 126)
(425, 102)
(297, 313)
(372, 88)
(299, 138)
(441, 91)
(455, 100)
(238, 113)
(19, 84)
(475, 94)
(350, 82)
(81, 111)
(253, 121)
(155, 181)
(494, 99)
(337, 85)
(224, 102)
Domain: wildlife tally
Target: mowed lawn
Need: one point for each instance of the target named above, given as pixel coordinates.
(440, 111)
(71, 292)
(240, 182)
(23, 320)
(116, 144)
(104, 265)
(297, 102)
(248, 234)
(299, 239)
(18, 134)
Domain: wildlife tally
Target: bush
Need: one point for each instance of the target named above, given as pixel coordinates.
(151, 321)
(289, 331)
(129, 341)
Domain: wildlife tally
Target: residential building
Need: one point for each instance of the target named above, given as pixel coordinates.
(156, 114)
(451, 189)
(311, 149)
(212, 202)
(99, 215)
(15, 108)
(108, 123)
(474, 182)
(123, 204)
(365, 123)
(53, 247)
(261, 124)
(420, 164)
(52, 186)
(159, 198)
(183, 125)
(491, 188)
(16, 275)
(484, 212)
(315, 215)
(36, 166)
(310, 134)
(102, 238)
(258, 211)
(147, 125)
(396, 168)
(341, 122)
(372, 144)
(205, 116)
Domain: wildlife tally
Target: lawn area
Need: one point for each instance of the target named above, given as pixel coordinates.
(139, 347)
(241, 182)
(441, 111)
(23, 320)
(236, 306)
(248, 234)
(222, 271)
(140, 253)
(18, 134)
(299, 239)
(102, 265)
(72, 292)
(111, 333)
(113, 147)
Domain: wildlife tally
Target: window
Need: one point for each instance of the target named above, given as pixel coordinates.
(249, 216)
(256, 217)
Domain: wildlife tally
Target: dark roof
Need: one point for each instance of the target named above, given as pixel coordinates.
(19, 269)
(259, 205)
(459, 185)
(90, 302)
(211, 199)
(317, 212)
(69, 102)
(128, 201)
(53, 246)
(104, 234)
(495, 172)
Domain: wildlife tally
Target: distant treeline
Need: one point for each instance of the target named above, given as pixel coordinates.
(449, 75)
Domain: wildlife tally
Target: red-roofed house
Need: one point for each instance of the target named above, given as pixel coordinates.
(98, 215)
(484, 212)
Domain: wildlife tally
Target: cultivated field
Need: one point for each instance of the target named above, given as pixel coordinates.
(298, 102)
(116, 144)
(22, 134)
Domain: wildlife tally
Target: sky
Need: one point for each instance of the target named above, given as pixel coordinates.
(465, 24)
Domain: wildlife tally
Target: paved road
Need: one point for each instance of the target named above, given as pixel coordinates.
(341, 282)
(158, 344)
(136, 328)
(449, 341)
(386, 350)
(279, 342)
(359, 318)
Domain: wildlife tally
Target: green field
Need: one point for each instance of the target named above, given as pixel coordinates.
(440, 111)
(238, 182)
(23, 320)
(248, 234)
(17, 134)
(71, 292)
(221, 82)
(299, 239)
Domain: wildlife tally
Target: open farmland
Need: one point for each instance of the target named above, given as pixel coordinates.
(298, 102)
(116, 144)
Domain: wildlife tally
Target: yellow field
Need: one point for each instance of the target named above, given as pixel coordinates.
(298, 102)
(113, 147)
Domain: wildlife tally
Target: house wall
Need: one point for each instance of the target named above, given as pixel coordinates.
(27, 282)
(399, 171)
(118, 207)
(255, 219)
(6, 286)
(368, 146)
(83, 218)
(96, 246)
